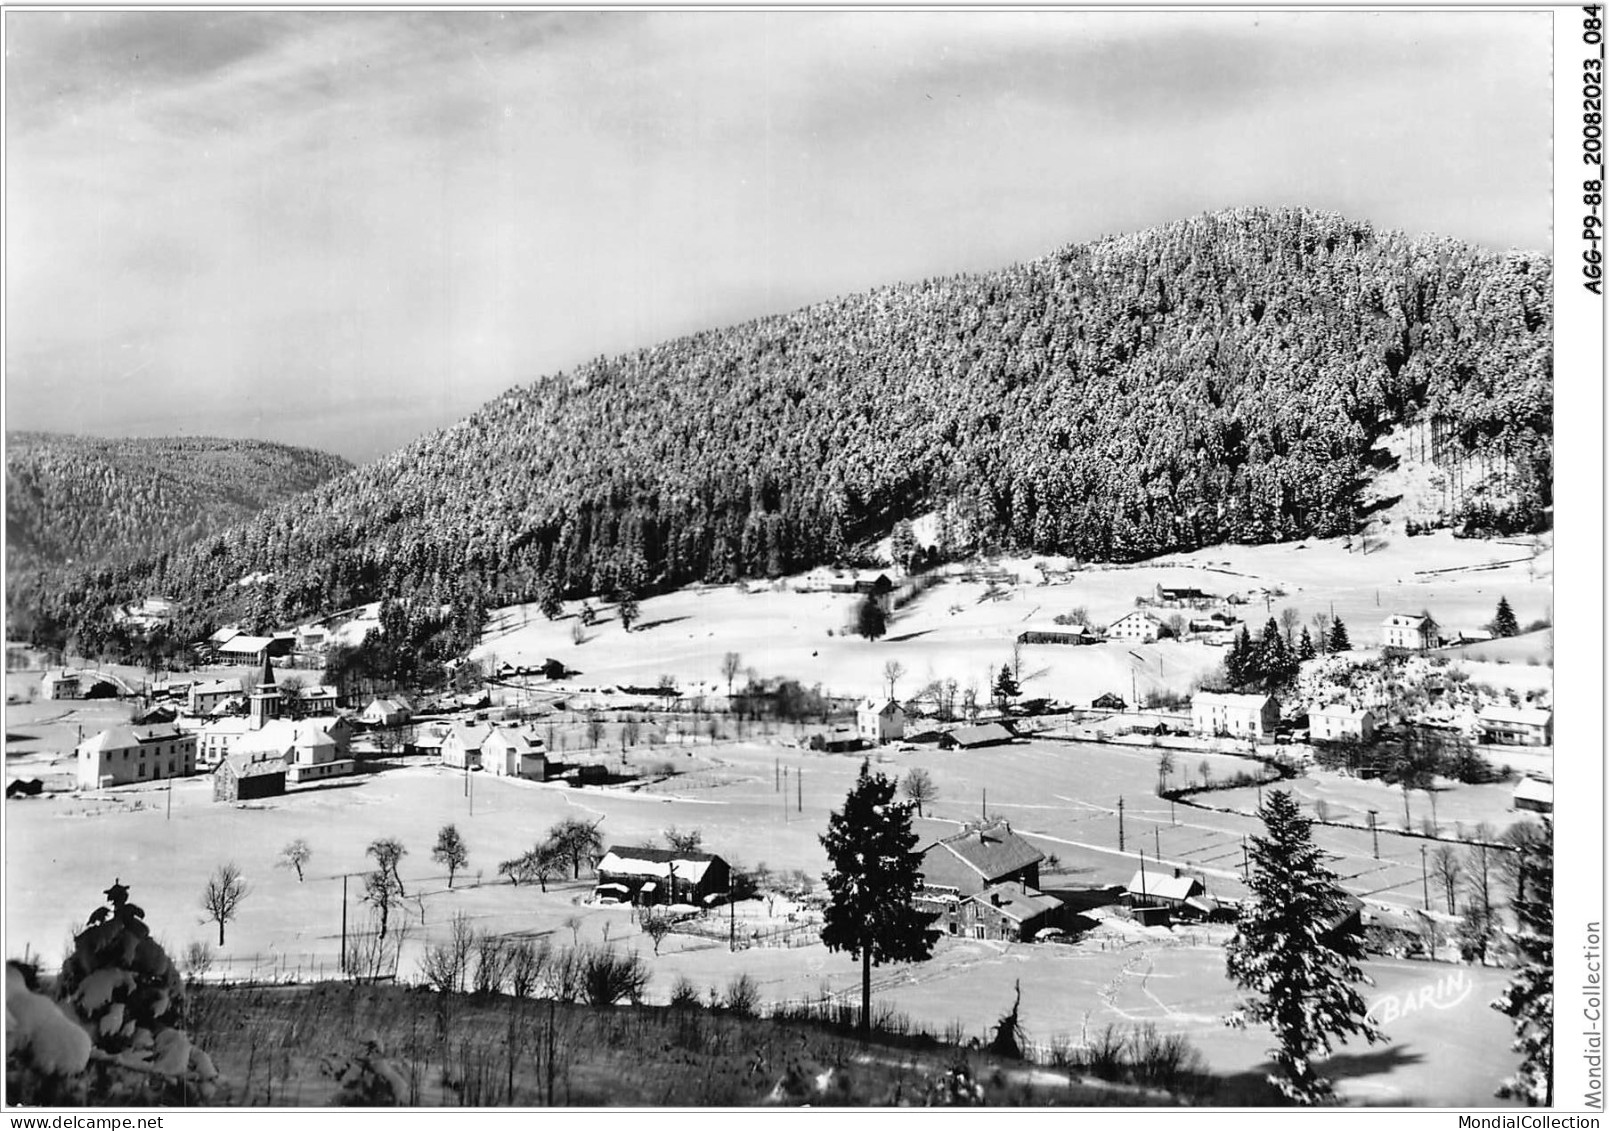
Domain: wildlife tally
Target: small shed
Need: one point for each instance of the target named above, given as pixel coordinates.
(973, 738)
(1073, 634)
(1534, 795)
(1155, 888)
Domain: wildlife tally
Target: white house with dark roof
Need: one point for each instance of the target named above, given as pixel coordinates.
(880, 721)
(1410, 631)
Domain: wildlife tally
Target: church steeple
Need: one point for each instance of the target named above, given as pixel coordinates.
(265, 697)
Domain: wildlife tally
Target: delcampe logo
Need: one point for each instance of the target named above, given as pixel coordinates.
(1444, 993)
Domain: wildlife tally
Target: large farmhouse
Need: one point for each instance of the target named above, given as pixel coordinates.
(1138, 626)
(646, 876)
(124, 754)
(979, 857)
(1006, 912)
(510, 753)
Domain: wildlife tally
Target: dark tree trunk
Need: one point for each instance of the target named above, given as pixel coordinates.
(220, 932)
(866, 991)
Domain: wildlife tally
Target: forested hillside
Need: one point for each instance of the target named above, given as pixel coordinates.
(1218, 379)
(86, 501)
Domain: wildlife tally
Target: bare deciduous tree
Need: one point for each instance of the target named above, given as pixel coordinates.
(656, 926)
(919, 788)
(892, 671)
(296, 854)
(1449, 870)
(387, 853)
(450, 852)
(380, 890)
(690, 841)
(1321, 621)
(1289, 618)
(222, 896)
(731, 664)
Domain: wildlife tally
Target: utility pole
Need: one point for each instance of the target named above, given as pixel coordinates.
(343, 922)
(1120, 824)
(1375, 831)
(731, 937)
(986, 804)
(1156, 831)
(798, 781)
(777, 768)
(1245, 861)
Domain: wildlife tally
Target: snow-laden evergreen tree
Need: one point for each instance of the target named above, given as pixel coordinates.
(1339, 640)
(1287, 952)
(1304, 648)
(1005, 687)
(1505, 623)
(1528, 998)
(870, 620)
(875, 872)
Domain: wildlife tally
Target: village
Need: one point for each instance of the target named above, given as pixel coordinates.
(1075, 828)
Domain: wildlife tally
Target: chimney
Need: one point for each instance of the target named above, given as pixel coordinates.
(994, 898)
(1177, 873)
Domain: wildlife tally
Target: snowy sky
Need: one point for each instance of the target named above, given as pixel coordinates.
(345, 229)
